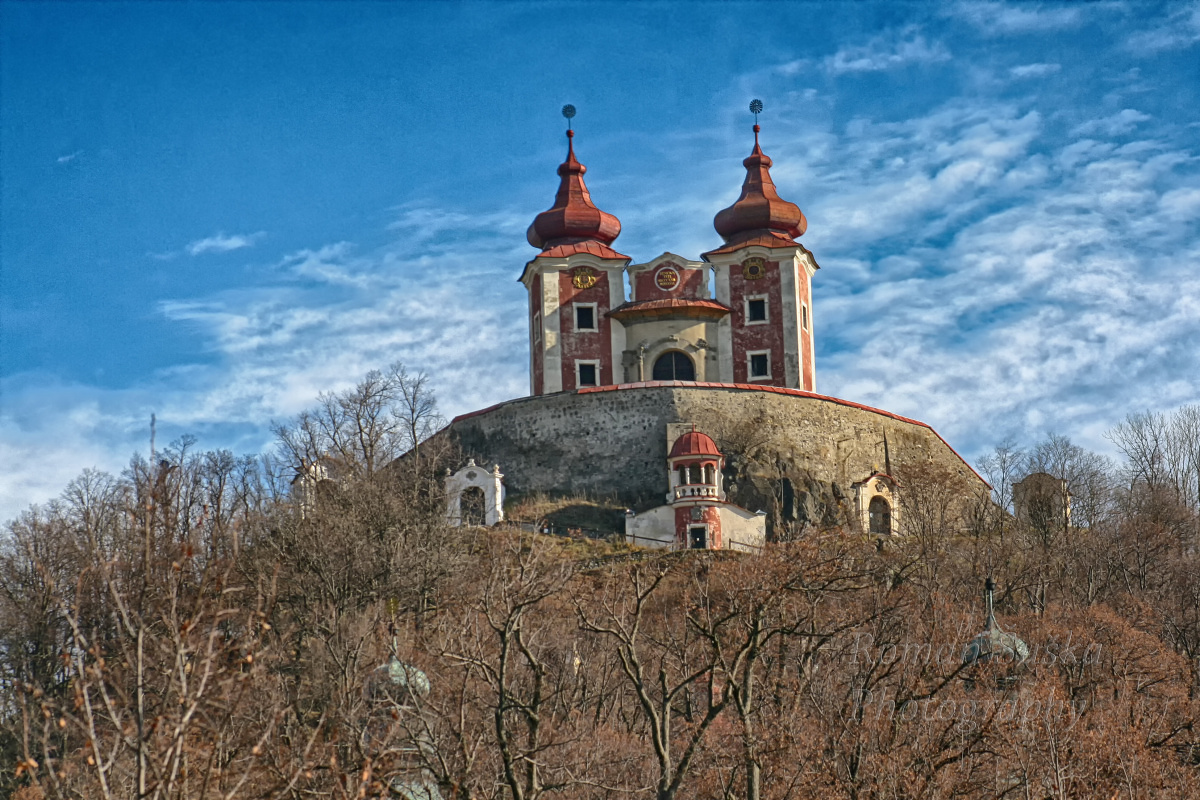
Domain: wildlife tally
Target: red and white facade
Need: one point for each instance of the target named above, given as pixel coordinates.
(753, 326)
(697, 515)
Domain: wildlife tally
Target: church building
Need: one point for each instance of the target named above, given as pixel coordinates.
(691, 382)
(584, 330)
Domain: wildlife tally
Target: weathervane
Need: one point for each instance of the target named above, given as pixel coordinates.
(756, 109)
(568, 111)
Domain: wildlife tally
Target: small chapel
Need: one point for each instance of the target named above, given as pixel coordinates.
(639, 370)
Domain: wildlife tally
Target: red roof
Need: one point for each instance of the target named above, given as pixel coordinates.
(694, 443)
(761, 238)
(759, 208)
(573, 217)
(673, 307)
(595, 248)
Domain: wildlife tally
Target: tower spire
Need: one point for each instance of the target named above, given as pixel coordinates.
(573, 217)
(759, 209)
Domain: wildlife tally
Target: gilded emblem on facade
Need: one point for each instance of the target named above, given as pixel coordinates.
(667, 279)
(584, 278)
(754, 268)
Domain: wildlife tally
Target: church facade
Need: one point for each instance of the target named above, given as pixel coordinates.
(687, 388)
(585, 330)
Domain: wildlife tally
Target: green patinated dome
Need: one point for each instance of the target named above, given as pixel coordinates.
(406, 677)
(994, 644)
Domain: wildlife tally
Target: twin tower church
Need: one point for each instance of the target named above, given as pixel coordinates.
(585, 332)
(691, 398)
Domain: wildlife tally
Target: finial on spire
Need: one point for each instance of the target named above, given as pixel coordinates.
(759, 210)
(574, 217)
(756, 108)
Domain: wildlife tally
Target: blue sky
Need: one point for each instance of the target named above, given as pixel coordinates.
(214, 211)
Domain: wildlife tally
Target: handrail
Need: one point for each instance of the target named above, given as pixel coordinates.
(685, 491)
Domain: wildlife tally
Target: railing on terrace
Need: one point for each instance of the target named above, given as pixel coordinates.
(696, 490)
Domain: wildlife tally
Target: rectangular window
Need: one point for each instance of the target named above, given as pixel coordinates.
(804, 315)
(756, 309)
(587, 373)
(585, 317)
(537, 327)
(759, 364)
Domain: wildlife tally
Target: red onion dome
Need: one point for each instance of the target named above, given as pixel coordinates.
(573, 217)
(694, 443)
(760, 207)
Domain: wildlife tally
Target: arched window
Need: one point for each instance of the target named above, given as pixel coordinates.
(674, 366)
(710, 474)
(695, 474)
(880, 515)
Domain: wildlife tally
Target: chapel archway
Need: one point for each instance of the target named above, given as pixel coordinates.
(474, 496)
(473, 505)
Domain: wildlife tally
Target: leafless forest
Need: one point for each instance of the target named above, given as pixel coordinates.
(190, 629)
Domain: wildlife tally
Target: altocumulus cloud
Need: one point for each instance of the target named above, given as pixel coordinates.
(325, 317)
(1179, 30)
(887, 51)
(1039, 70)
(1046, 289)
(222, 243)
(1002, 18)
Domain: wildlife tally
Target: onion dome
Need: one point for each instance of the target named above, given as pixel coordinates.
(395, 681)
(760, 210)
(694, 443)
(994, 643)
(573, 217)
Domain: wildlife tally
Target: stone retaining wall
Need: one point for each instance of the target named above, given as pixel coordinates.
(611, 441)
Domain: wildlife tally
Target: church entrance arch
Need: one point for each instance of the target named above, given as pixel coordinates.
(674, 366)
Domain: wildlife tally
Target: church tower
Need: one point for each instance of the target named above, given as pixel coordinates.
(764, 276)
(573, 283)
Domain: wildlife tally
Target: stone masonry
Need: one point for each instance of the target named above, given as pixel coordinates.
(611, 441)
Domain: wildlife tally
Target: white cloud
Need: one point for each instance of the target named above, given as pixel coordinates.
(1062, 306)
(69, 157)
(1038, 70)
(1003, 18)
(1119, 124)
(334, 316)
(884, 52)
(220, 243)
(1180, 29)
(1181, 204)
